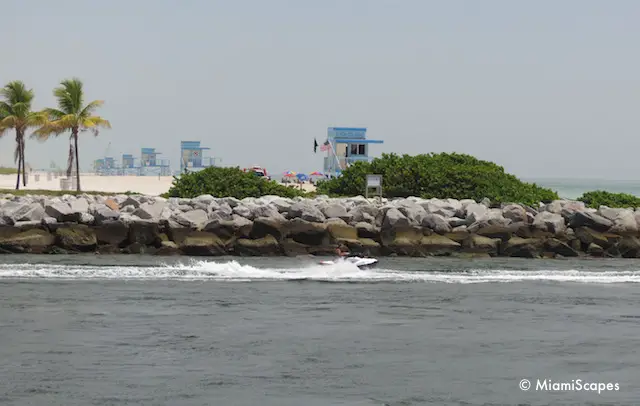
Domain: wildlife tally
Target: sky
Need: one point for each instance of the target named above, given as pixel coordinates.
(547, 89)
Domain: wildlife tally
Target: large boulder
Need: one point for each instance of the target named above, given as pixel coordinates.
(144, 232)
(514, 212)
(202, 243)
(60, 211)
(307, 232)
(34, 241)
(265, 246)
(150, 211)
(437, 223)
(336, 210)
(114, 233)
(550, 222)
(103, 214)
(305, 211)
(522, 247)
(76, 237)
(226, 229)
(591, 220)
(436, 244)
(263, 226)
(195, 219)
(481, 244)
(394, 218)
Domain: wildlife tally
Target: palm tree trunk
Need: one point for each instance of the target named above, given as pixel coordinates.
(19, 150)
(75, 140)
(24, 166)
(70, 158)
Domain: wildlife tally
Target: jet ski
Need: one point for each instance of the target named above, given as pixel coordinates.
(362, 263)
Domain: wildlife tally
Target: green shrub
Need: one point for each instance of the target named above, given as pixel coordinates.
(456, 176)
(227, 182)
(599, 198)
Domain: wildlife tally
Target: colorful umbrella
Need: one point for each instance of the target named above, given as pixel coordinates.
(302, 176)
(316, 173)
(290, 174)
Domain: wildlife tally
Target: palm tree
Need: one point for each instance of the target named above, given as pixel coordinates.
(15, 113)
(72, 115)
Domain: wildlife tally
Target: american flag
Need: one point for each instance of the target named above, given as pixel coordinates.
(326, 146)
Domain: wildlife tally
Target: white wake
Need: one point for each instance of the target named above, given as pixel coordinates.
(341, 272)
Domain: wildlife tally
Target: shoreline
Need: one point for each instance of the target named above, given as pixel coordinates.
(275, 226)
(144, 185)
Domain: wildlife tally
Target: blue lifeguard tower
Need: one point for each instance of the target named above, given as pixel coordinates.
(129, 167)
(346, 145)
(105, 166)
(192, 157)
(151, 165)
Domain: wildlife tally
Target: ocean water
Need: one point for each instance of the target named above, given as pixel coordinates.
(135, 330)
(574, 188)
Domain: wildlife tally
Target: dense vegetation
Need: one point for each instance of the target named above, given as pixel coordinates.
(230, 181)
(457, 176)
(599, 198)
(72, 115)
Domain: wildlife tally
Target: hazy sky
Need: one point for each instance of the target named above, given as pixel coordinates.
(544, 88)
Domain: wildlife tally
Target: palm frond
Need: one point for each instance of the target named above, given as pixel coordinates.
(16, 92)
(91, 107)
(70, 96)
(54, 114)
(36, 119)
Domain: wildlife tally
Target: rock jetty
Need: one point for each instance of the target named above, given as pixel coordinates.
(272, 225)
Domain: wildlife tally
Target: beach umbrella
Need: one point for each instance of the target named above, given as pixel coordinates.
(302, 176)
(290, 174)
(316, 173)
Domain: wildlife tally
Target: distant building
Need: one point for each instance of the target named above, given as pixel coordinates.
(192, 156)
(150, 164)
(346, 145)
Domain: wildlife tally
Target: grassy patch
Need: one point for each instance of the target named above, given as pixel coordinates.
(43, 192)
(8, 171)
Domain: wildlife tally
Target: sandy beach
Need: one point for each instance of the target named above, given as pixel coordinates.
(148, 185)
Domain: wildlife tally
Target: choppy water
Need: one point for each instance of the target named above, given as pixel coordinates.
(574, 188)
(132, 330)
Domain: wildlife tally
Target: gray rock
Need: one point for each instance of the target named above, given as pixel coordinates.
(437, 223)
(150, 211)
(29, 212)
(515, 213)
(59, 211)
(456, 221)
(549, 221)
(244, 211)
(394, 218)
(130, 201)
(591, 220)
(624, 222)
(364, 213)
(49, 220)
(79, 205)
(194, 219)
(264, 210)
(305, 211)
(103, 214)
(86, 218)
(335, 210)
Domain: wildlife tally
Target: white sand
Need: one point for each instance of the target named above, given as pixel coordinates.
(148, 185)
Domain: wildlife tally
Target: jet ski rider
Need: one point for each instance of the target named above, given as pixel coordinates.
(342, 252)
